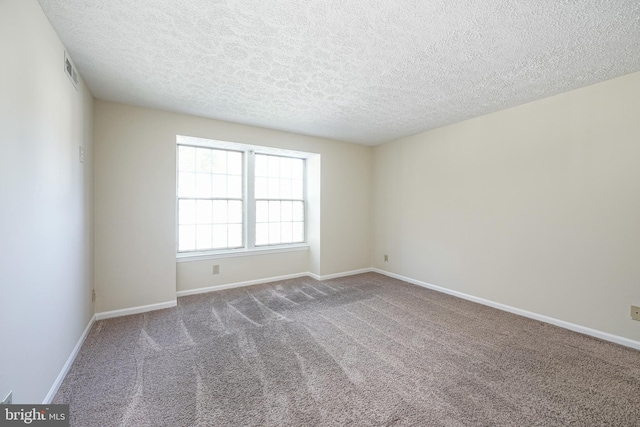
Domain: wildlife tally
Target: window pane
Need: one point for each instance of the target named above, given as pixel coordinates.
(287, 232)
(262, 165)
(186, 159)
(274, 188)
(203, 160)
(298, 211)
(297, 169)
(297, 189)
(219, 211)
(262, 188)
(286, 211)
(285, 188)
(298, 232)
(234, 163)
(187, 240)
(203, 185)
(219, 186)
(219, 161)
(219, 236)
(186, 212)
(203, 211)
(274, 211)
(235, 212)
(262, 211)
(205, 224)
(262, 234)
(285, 167)
(274, 233)
(203, 237)
(235, 236)
(186, 184)
(234, 186)
(274, 166)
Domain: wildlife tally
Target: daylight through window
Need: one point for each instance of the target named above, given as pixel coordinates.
(279, 190)
(231, 199)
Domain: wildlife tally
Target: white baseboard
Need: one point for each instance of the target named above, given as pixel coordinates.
(343, 274)
(135, 310)
(551, 320)
(65, 369)
(239, 284)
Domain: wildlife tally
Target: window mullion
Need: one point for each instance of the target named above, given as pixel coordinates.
(250, 212)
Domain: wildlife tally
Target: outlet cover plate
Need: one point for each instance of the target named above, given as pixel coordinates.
(635, 312)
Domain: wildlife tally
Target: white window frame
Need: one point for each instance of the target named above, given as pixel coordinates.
(249, 200)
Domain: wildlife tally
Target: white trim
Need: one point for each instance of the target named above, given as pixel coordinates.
(65, 369)
(187, 257)
(551, 320)
(135, 310)
(239, 284)
(343, 274)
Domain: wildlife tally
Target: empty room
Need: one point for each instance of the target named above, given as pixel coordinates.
(288, 213)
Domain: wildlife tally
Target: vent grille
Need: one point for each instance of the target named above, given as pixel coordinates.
(70, 71)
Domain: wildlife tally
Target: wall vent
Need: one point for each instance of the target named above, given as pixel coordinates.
(70, 71)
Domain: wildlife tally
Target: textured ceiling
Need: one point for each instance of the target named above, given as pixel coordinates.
(365, 71)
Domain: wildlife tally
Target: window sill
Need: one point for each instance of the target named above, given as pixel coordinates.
(201, 256)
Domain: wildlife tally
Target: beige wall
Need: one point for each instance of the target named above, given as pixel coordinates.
(198, 274)
(135, 207)
(46, 205)
(537, 207)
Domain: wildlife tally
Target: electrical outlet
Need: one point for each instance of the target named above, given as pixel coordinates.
(386, 258)
(7, 400)
(635, 312)
(81, 154)
(93, 296)
(216, 269)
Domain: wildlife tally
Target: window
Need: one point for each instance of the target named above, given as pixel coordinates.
(234, 198)
(279, 194)
(210, 202)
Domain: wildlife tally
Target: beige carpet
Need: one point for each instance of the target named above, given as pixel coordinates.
(361, 350)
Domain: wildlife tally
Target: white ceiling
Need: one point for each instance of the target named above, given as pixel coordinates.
(364, 71)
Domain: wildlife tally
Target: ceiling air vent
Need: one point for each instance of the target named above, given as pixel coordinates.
(70, 71)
